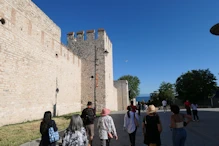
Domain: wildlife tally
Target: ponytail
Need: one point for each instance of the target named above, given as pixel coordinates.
(129, 108)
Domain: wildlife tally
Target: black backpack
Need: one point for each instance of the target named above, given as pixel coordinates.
(90, 116)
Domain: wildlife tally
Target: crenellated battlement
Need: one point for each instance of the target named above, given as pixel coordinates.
(32, 51)
(90, 35)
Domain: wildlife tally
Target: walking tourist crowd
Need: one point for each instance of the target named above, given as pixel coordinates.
(80, 131)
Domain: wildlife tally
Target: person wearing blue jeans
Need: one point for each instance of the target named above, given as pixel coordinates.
(177, 125)
(179, 136)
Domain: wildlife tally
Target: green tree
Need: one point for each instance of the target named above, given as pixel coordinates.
(166, 91)
(196, 85)
(154, 97)
(133, 84)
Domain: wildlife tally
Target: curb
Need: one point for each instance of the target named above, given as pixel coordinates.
(36, 142)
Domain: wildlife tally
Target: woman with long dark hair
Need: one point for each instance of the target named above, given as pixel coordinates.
(177, 124)
(130, 124)
(75, 134)
(46, 123)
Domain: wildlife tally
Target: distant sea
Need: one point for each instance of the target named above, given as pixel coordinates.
(143, 98)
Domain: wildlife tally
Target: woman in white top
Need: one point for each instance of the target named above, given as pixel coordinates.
(106, 128)
(177, 125)
(194, 107)
(130, 124)
(146, 106)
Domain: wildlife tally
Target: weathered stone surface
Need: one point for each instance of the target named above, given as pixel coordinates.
(122, 94)
(30, 70)
(106, 93)
(34, 63)
(85, 49)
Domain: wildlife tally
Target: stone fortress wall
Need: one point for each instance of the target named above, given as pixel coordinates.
(85, 45)
(34, 64)
(122, 94)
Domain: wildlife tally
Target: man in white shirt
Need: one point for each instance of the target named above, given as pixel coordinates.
(164, 103)
(194, 107)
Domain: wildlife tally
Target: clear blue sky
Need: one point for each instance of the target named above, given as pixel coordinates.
(161, 39)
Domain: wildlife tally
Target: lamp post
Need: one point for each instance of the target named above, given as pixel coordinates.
(215, 29)
(95, 79)
(95, 75)
(95, 61)
(55, 105)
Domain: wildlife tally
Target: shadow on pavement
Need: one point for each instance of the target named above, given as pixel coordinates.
(202, 133)
(123, 135)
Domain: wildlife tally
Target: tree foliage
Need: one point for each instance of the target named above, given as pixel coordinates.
(196, 85)
(133, 84)
(154, 97)
(166, 91)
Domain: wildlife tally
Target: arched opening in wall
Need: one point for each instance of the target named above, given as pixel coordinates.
(57, 55)
(2, 20)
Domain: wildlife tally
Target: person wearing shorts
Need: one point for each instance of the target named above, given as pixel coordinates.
(90, 130)
(88, 116)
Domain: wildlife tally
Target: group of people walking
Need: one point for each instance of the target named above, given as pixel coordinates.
(80, 131)
(194, 107)
(152, 125)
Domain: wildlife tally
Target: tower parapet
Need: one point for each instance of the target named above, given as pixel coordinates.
(90, 35)
(80, 36)
(94, 47)
(101, 33)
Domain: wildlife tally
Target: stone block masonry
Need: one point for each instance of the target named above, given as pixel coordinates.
(34, 65)
(122, 94)
(85, 46)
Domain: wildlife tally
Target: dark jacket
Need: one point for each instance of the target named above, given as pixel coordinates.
(88, 116)
(45, 134)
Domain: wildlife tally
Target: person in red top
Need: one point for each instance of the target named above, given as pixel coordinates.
(134, 108)
(187, 106)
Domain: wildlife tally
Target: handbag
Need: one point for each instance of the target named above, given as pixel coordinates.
(53, 135)
(110, 135)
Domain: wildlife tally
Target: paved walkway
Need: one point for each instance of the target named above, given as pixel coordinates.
(202, 133)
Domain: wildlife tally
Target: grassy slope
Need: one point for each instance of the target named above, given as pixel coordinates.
(17, 134)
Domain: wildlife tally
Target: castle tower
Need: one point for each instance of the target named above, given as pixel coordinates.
(97, 67)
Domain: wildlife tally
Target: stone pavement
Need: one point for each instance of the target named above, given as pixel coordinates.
(202, 133)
